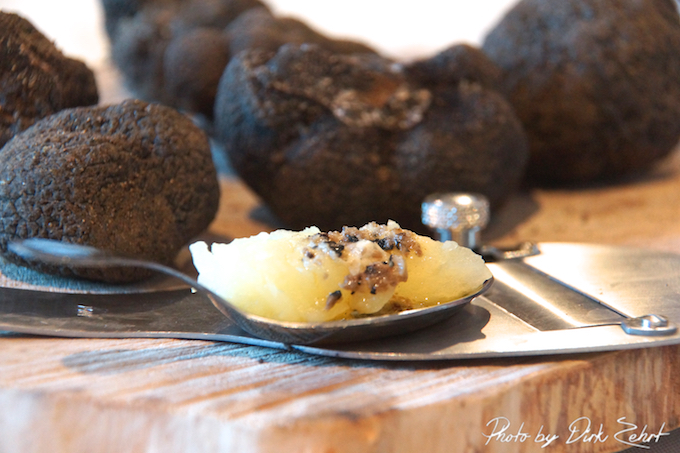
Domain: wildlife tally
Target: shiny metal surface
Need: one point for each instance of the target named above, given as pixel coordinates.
(351, 330)
(521, 250)
(369, 327)
(166, 314)
(650, 325)
(615, 282)
(457, 216)
(543, 301)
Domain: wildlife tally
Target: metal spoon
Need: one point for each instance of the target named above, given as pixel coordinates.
(61, 253)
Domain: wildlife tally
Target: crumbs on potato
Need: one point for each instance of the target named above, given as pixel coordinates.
(313, 276)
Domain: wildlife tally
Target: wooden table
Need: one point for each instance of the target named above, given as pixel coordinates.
(83, 395)
(95, 396)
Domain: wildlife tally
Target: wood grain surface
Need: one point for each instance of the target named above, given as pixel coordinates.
(189, 396)
(84, 395)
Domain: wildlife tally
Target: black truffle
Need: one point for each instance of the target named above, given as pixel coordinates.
(175, 52)
(595, 83)
(258, 28)
(192, 66)
(140, 32)
(36, 79)
(332, 140)
(133, 178)
(116, 11)
(460, 62)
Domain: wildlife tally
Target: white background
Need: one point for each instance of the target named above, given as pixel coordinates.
(397, 28)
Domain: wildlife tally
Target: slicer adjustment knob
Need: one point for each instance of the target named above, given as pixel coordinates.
(457, 216)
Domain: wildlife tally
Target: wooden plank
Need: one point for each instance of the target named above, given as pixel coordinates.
(176, 396)
(85, 395)
(642, 211)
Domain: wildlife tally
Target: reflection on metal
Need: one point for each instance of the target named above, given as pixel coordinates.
(650, 325)
(521, 250)
(571, 298)
(85, 310)
(543, 302)
(457, 216)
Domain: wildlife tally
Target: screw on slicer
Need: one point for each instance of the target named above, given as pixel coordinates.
(648, 325)
(457, 217)
(460, 217)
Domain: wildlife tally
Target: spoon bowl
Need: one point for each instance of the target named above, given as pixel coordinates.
(300, 333)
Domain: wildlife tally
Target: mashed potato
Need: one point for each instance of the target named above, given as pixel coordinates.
(311, 276)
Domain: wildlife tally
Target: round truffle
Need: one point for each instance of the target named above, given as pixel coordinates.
(457, 63)
(330, 140)
(134, 178)
(175, 51)
(118, 10)
(36, 79)
(259, 28)
(595, 83)
(140, 32)
(192, 67)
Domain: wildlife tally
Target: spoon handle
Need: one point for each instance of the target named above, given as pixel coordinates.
(64, 253)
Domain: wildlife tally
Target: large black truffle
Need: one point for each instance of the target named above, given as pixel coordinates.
(36, 79)
(133, 178)
(595, 83)
(333, 140)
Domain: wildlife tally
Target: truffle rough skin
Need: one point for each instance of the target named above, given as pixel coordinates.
(259, 28)
(141, 31)
(36, 79)
(460, 62)
(133, 178)
(595, 83)
(192, 66)
(332, 140)
(175, 51)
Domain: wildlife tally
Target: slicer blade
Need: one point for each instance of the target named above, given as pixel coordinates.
(619, 283)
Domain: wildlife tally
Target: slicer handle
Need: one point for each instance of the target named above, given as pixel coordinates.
(457, 216)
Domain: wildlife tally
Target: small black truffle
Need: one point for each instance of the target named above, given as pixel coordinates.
(118, 10)
(175, 51)
(259, 28)
(192, 66)
(36, 79)
(140, 32)
(133, 178)
(330, 140)
(595, 83)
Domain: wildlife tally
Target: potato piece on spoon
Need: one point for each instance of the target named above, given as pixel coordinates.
(311, 276)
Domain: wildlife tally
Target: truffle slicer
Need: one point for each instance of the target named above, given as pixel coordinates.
(300, 333)
(546, 299)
